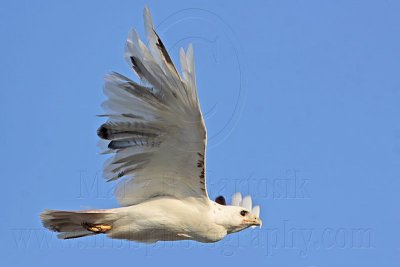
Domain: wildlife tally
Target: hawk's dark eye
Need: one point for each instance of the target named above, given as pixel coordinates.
(243, 213)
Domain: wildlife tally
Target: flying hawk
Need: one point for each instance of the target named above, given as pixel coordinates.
(156, 134)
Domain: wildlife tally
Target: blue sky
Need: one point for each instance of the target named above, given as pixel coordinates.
(301, 100)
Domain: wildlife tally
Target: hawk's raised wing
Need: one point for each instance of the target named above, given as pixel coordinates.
(156, 131)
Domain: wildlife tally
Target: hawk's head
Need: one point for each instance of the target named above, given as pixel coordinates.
(239, 215)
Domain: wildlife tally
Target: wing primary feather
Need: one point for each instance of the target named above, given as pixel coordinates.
(247, 203)
(256, 210)
(236, 199)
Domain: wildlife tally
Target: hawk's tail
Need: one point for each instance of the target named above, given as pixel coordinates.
(74, 224)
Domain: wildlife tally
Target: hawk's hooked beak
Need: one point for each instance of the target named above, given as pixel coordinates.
(258, 222)
(254, 222)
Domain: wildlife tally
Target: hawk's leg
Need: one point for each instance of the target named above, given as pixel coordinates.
(97, 228)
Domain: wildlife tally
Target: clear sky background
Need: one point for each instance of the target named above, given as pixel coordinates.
(302, 106)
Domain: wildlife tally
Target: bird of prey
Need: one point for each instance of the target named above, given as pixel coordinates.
(156, 134)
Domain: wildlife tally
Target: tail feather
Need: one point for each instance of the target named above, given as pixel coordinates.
(70, 235)
(73, 224)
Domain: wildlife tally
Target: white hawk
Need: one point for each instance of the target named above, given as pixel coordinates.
(156, 133)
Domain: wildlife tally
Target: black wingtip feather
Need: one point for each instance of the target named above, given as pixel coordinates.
(103, 132)
(221, 200)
